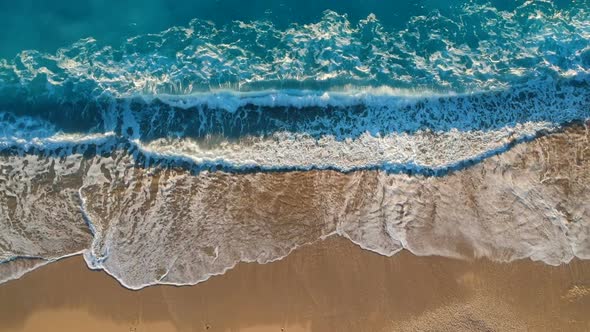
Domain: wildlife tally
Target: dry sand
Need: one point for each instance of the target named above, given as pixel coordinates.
(329, 286)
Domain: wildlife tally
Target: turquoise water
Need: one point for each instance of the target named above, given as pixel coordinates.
(338, 70)
(47, 26)
(160, 48)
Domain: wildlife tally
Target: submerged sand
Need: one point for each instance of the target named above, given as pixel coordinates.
(171, 225)
(331, 285)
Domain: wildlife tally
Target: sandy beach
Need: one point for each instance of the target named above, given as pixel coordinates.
(294, 166)
(331, 285)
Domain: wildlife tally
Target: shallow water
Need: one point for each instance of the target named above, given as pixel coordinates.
(121, 121)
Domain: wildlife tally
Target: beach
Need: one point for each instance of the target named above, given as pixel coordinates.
(171, 225)
(295, 166)
(331, 285)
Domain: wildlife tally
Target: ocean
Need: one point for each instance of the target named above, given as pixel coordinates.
(167, 142)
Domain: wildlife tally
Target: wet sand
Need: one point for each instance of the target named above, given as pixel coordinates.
(331, 285)
(172, 225)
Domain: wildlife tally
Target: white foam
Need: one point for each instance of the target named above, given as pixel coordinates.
(432, 51)
(285, 150)
(54, 141)
(187, 227)
(347, 96)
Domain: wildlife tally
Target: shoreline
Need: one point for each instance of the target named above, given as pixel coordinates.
(312, 289)
(538, 187)
(464, 257)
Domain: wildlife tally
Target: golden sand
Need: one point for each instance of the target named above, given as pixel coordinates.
(329, 286)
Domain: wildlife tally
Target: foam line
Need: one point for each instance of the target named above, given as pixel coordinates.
(166, 155)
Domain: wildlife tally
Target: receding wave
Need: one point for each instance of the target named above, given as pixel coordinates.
(184, 227)
(198, 147)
